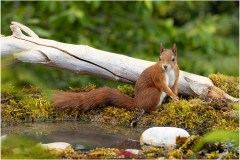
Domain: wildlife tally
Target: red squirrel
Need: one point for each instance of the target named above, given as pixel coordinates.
(152, 86)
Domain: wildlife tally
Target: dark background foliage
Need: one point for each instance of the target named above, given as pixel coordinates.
(206, 34)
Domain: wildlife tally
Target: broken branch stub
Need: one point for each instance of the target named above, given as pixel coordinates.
(82, 59)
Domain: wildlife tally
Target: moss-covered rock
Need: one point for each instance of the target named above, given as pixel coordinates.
(228, 84)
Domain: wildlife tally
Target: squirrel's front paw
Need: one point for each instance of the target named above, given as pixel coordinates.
(176, 98)
(176, 93)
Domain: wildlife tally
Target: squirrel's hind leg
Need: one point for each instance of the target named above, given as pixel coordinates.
(134, 122)
(147, 99)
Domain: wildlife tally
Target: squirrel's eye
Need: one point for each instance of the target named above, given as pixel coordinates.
(159, 58)
(173, 59)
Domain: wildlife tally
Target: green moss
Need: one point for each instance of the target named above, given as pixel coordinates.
(180, 141)
(26, 109)
(188, 154)
(180, 154)
(24, 105)
(228, 84)
(190, 142)
(184, 148)
(77, 155)
(224, 124)
(86, 88)
(234, 106)
(126, 89)
(194, 115)
(103, 153)
(175, 154)
(9, 92)
(212, 155)
(111, 115)
(231, 156)
(153, 152)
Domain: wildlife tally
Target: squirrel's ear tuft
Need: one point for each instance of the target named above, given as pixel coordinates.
(161, 48)
(174, 49)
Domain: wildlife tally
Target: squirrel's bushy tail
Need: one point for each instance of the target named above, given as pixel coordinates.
(92, 99)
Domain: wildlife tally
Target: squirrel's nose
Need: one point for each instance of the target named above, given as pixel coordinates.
(165, 66)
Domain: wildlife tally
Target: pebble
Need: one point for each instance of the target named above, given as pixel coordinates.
(162, 136)
(3, 137)
(57, 145)
(134, 151)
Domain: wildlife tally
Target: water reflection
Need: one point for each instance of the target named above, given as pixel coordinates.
(82, 136)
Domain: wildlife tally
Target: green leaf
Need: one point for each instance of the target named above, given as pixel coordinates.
(218, 136)
(148, 4)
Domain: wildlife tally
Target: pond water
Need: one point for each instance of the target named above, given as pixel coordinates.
(82, 136)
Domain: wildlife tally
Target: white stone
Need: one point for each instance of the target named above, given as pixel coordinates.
(134, 151)
(162, 136)
(3, 137)
(56, 145)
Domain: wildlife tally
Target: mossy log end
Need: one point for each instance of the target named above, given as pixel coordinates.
(82, 59)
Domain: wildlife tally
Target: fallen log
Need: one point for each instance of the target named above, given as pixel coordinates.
(83, 59)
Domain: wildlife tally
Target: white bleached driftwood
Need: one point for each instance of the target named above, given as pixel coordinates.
(82, 59)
